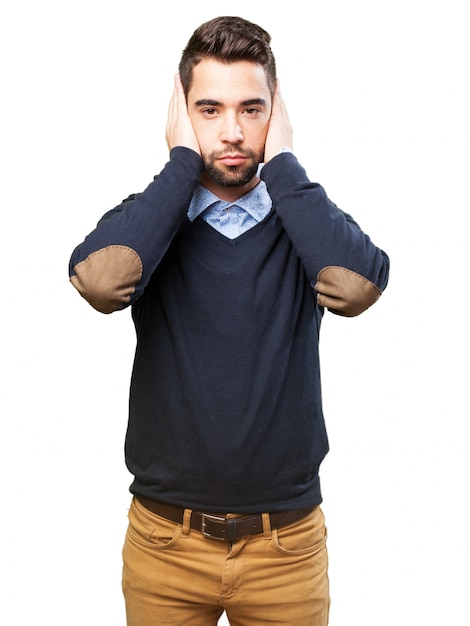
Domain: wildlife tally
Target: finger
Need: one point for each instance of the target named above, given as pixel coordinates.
(279, 106)
(179, 91)
(171, 104)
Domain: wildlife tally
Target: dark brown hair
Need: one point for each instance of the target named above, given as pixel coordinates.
(228, 39)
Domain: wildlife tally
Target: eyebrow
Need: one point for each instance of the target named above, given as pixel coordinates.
(209, 102)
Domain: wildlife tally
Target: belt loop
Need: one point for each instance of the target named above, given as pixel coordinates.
(266, 526)
(186, 523)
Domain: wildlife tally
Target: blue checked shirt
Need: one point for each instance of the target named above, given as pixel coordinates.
(231, 218)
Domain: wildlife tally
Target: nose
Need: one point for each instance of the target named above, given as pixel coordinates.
(231, 131)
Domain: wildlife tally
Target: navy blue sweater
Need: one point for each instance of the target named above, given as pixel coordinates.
(225, 409)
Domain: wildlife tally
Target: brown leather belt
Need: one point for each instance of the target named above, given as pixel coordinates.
(215, 526)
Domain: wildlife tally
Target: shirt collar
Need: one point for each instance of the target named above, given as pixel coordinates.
(256, 202)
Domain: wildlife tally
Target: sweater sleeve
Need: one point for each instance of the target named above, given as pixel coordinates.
(113, 265)
(347, 271)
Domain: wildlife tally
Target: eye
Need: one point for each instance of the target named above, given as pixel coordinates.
(252, 112)
(209, 111)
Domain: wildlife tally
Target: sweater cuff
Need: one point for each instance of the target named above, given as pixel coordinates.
(188, 158)
(283, 172)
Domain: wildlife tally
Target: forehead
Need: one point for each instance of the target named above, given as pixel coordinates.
(240, 80)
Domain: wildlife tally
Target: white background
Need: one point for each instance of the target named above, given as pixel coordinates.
(378, 95)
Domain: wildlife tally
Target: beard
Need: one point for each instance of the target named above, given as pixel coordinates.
(232, 176)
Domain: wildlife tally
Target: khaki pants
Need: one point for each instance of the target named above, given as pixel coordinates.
(173, 575)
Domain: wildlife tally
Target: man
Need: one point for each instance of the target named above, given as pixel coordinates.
(228, 259)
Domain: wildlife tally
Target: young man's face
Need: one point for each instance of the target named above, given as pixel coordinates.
(229, 106)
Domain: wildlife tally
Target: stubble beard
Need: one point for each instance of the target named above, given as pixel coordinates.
(232, 176)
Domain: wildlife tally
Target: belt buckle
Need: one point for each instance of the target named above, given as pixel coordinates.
(212, 518)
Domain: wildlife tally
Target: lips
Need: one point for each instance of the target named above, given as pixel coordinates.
(232, 159)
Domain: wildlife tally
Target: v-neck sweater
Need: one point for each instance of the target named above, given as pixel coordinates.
(225, 409)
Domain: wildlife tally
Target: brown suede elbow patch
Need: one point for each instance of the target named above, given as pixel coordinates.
(345, 292)
(107, 278)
